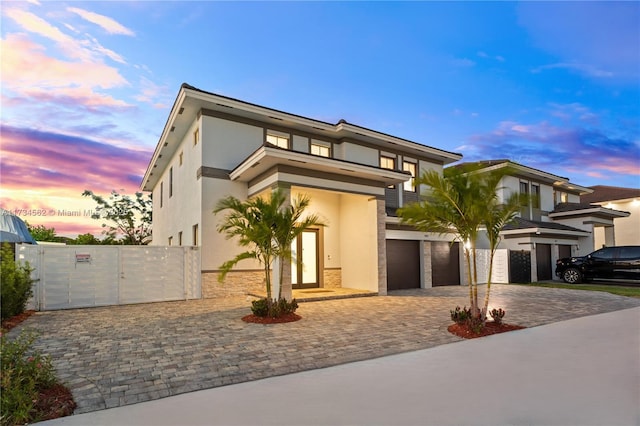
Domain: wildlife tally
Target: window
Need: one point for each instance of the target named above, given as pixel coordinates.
(279, 141)
(564, 197)
(410, 167)
(524, 190)
(535, 196)
(195, 235)
(181, 157)
(180, 238)
(196, 137)
(387, 162)
(170, 241)
(320, 149)
(161, 193)
(171, 182)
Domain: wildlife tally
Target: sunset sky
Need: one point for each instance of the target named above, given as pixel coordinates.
(87, 86)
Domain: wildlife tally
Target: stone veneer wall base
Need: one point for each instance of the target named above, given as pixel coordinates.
(236, 283)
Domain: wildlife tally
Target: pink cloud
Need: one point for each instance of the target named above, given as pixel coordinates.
(106, 23)
(23, 62)
(68, 163)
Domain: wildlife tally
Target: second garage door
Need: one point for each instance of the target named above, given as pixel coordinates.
(403, 264)
(445, 263)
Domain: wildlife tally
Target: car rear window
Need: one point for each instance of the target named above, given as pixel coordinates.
(629, 252)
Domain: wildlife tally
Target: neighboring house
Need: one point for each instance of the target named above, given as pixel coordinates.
(552, 225)
(627, 229)
(213, 146)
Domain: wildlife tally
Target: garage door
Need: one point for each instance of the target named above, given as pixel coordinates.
(403, 264)
(445, 263)
(543, 261)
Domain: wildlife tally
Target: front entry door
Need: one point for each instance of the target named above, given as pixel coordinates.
(304, 262)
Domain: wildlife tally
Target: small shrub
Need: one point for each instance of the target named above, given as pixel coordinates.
(16, 284)
(497, 315)
(460, 315)
(24, 373)
(260, 307)
(269, 308)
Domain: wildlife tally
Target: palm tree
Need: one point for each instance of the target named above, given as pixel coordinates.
(462, 201)
(266, 227)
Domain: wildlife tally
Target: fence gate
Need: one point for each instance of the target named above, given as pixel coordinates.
(84, 276)
(519, 266)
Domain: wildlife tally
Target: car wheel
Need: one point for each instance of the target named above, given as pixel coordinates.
(572, 276)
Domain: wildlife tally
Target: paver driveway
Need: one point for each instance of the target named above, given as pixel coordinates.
(121, 355)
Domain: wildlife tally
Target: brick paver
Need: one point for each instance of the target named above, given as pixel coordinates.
(120, 355)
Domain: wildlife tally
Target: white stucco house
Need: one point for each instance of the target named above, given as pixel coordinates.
(213, 146)
(627, 229)
(555, 224)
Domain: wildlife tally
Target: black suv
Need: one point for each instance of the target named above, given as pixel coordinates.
(609, 263)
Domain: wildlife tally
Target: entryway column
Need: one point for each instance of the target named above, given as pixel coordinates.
(382, 246)
(609, 236)
(287, 292)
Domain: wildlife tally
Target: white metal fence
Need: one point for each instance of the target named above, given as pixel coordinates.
(84, 276)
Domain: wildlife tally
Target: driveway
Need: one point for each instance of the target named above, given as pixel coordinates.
(121, 355)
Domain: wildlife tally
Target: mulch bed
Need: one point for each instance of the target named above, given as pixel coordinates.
(268, 320)
(488, 329)
(56, 401)
(9, 323)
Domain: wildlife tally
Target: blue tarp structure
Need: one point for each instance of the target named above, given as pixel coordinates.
(13, 229)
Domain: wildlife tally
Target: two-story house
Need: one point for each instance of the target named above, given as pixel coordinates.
(552, 224)
(213, 146)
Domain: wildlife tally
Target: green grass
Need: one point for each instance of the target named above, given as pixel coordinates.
(613, 289)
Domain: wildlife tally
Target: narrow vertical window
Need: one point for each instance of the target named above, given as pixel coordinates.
(171, 182)
(181, 157)
(196, 137)
(161, 193)
(535, 196)
(170, 241)
(195, 234)
(180, 238)
(411, 168)
(388, 163)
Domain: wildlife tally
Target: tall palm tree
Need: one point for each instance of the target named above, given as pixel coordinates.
(266, 227)
(462, 201)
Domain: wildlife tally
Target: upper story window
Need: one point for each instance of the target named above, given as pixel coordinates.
(524, 190)
(321, 149)
(278, 140)
(196, 137)
(161, 193)
(535, 195)
(410, 167)
(181, 158)
(387, 162)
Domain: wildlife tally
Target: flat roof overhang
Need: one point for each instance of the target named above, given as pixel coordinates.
(269, 165)
(557, 233)
(595, 212)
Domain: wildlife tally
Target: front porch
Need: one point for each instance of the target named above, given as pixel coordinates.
(317, 294)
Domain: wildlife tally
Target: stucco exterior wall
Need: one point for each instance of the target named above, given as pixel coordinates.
(626, 229)
(226, 143)
(357, 154)
(358, 242)
(180, 211)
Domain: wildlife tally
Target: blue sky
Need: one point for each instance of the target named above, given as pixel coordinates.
(87, 86)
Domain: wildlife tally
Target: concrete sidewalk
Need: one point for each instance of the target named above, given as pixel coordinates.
(583, 371)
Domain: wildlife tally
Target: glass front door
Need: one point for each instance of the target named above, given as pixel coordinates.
(304, 261)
